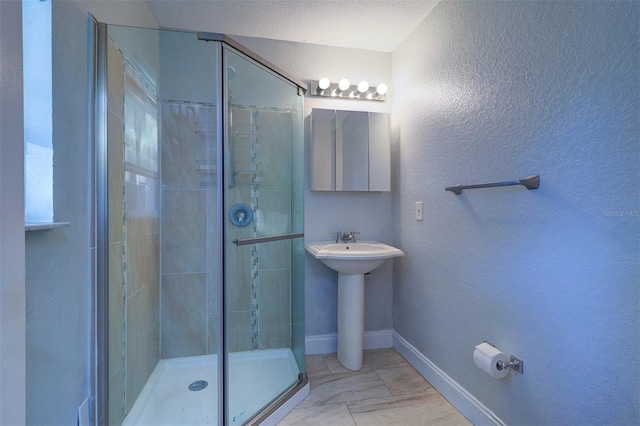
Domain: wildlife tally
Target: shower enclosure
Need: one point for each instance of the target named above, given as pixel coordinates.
(199, 225)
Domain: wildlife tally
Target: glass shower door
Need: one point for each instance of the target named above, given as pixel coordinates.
(163, 287)
(263, 230)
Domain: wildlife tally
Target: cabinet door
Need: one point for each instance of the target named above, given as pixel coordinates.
(323, 156)
(379, 152)
(352, 151)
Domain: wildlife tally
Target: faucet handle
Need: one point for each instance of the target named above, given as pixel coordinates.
(338, 235)
(353, 235)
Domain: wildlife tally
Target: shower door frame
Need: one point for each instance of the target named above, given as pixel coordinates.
(97, 44)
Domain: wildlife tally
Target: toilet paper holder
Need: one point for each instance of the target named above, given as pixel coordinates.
(514, 363)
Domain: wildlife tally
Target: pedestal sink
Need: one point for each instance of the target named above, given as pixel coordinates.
(351, 261)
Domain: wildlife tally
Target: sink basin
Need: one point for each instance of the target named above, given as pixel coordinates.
(352, 258)
(352, 261)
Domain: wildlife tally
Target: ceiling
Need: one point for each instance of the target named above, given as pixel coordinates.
(379, 25)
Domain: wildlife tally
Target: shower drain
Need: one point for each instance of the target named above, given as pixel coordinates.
(198, 385)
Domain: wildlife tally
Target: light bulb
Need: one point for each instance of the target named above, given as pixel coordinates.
(382, 89)
(362, 87)
(343, 84)
(324, 83)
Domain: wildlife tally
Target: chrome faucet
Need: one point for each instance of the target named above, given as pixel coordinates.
(351, 236)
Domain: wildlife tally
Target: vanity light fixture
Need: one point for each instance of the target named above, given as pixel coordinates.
(344, 89)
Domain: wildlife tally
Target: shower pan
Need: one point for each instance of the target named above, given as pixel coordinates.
(200, 300)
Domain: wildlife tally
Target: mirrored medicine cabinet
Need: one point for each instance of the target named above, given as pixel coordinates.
(350, 151)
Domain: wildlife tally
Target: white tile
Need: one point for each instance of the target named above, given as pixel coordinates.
(315, 365)
(336, 388)
(331, 414)
(413, 409)
(387, 391)
(403, 380)
(372, 360)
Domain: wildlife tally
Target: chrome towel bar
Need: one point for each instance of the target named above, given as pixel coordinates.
(530, 182)
(267, 239)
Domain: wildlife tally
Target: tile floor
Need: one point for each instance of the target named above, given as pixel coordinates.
(387, 391)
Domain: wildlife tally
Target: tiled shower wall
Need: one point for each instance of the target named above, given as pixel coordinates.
(242, 181)
(274, 201)
(134, 235)
(258, 276)
(189, 314)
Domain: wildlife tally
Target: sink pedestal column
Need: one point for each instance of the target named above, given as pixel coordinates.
(350, 320)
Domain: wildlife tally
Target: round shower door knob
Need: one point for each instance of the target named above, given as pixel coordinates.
(241, 215)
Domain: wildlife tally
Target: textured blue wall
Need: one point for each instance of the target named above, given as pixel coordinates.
(499, 91)
(12, 249)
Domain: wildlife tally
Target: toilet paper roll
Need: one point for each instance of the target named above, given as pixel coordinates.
(486, 358)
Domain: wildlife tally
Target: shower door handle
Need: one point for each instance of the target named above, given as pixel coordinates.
(258, 240)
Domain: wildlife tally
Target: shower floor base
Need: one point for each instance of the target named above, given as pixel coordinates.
(256, 378)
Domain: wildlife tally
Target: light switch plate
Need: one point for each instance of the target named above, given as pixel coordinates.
(418, 210)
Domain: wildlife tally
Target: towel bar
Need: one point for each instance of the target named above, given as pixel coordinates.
(530, 182)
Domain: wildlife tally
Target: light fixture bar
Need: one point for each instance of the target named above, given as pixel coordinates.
(342, 91)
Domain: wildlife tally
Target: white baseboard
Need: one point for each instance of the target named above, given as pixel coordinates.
(458, 396)
(328, 343)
